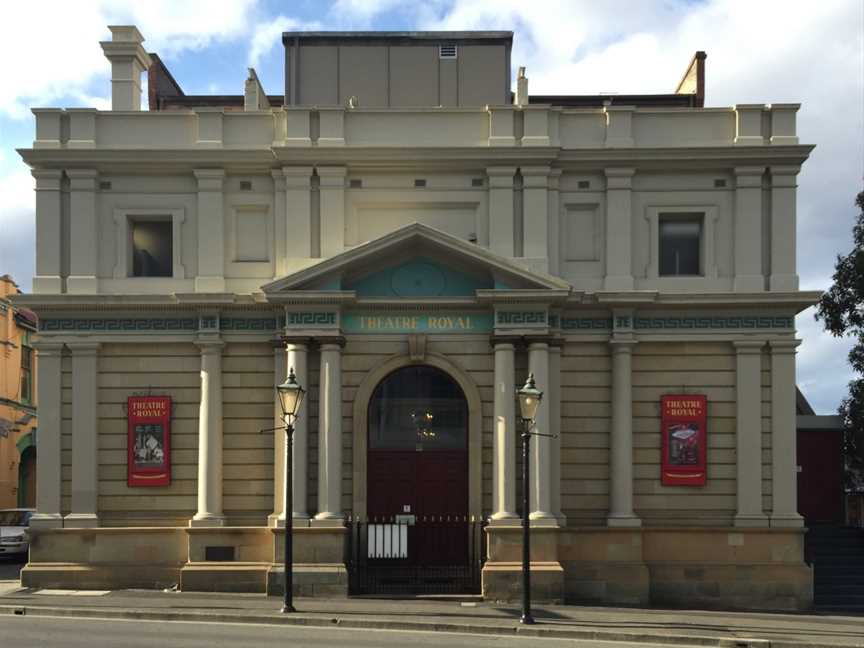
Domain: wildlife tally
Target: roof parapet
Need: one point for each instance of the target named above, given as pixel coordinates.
(128, 61)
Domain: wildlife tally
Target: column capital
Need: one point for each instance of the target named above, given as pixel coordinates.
(209, 179)
(83, 348)
(504, 342)
(331, 344)
(332, 177)
(47, 348)
(47, 179)
(784, 346)
(296, 177)
(210, 347)
(743, 347)
(748, 177)
(622, 346)
(82, 179)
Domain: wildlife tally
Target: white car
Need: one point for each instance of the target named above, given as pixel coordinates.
(14, 537)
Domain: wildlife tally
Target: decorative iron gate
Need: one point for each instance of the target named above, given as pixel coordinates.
(406, 554)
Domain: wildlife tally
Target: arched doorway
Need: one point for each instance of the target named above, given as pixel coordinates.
(417, 483)
(27, 478)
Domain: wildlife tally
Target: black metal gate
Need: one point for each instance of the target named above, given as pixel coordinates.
(412, 555)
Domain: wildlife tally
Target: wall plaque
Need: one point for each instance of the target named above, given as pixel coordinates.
(684, 439)
(149, 441)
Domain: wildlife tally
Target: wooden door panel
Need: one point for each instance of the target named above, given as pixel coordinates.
(820, 480)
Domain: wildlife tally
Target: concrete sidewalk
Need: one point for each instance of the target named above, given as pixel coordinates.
(664, 627)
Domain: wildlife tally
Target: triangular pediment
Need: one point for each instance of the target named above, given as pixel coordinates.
(415, 261)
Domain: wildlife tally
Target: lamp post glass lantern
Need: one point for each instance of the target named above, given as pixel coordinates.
(529, 400)
(290, 395)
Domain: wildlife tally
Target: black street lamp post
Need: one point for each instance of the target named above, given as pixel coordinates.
(529, 399)
(290, 398)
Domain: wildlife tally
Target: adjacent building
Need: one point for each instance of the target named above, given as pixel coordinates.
(17, 401)
(413, 239)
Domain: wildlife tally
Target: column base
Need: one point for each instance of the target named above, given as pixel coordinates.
(505, 520)
(207, 521)
(785, 283)
(324, 522)
(620, 282)
(82, 285)
(81, 521)
(623, 521)
(46, 521)
(787, 521)
(749, 283)
(278, 522)
(542, 519)
(210, 284)
(751, 521)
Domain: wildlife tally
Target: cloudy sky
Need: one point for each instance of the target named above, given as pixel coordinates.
(759, 51)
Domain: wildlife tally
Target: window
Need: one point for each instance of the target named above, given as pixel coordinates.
(148, 243)
(680, 245)
(26, 370)
(152, 248)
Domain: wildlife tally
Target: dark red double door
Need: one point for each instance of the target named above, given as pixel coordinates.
(428, 492)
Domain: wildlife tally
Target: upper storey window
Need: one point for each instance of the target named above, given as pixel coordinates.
(680, 245)
(152, 248)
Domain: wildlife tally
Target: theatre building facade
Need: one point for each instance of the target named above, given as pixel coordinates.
(413, 241)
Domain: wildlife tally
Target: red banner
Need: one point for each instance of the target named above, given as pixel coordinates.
(684, 419)
(149, 442)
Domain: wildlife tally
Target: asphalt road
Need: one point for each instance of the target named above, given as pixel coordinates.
(47, 632)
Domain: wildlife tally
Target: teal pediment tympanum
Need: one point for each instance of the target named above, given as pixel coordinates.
(419, 277)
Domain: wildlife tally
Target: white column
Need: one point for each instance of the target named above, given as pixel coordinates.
(332, 209)
(541, 446)
(85, 436)
(83, 232)
(48, 232)
(784, 481)
(749, 434)
(502, 233)
(555, 427)
(535, 230)
(48, 471)
(505, 435)
(783, 224)
(297, 356)
(210, 437)
(280, 371)
(748, 229)
(298, 192)
(330, 434)
(619, 226)
(211, 225)
(621, 442)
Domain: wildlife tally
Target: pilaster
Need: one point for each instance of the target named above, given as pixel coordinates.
(49, 241)
(332, 207)
(749, 433)
(502, 233)
(211, 226)
(748, 229)
(298, 200)
(536, 213)
(85, 436)
(619, 236)
(784, 275)
(48, 464)
(555, 427)
(784, 476)
(83, 232)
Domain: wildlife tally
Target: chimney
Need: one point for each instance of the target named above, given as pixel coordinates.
(128, 61)
(254, 97)
(521, 88)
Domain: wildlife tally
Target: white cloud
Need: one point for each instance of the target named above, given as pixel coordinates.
(267, 34)
(17, 225)
(60, 57)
